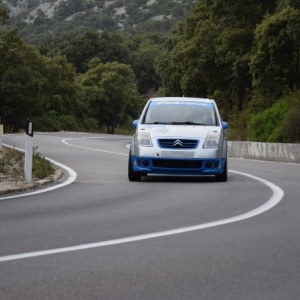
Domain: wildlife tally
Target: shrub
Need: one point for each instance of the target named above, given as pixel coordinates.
(90, 125)
(265, 126)
(290, 130)
(12, 165)
(69, 123)
(239, 128)
(49, 122)
(263, 121)
(41, 167)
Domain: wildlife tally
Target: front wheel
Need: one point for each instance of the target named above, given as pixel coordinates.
(223, 177)
(132, 175)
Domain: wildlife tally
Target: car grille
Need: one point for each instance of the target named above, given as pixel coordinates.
(177, 163)
(177, 143)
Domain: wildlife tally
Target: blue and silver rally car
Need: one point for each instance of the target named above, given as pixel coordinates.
(179, 136)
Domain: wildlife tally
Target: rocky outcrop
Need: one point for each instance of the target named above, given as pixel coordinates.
(19, 7)
(47, 7)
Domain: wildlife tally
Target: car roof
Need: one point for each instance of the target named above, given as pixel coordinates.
(166, 99)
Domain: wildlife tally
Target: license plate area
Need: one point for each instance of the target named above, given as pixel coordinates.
(177, 154)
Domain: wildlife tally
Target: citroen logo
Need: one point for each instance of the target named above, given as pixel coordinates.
(177, 143)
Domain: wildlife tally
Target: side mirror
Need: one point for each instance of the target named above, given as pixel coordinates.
(224, 125)
(135, 123)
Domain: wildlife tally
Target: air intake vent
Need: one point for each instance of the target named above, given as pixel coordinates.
(178, 143)
(177, 163)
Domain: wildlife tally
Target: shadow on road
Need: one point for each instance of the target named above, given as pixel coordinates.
(182, 178)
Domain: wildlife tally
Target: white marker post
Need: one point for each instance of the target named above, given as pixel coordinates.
(28, 151)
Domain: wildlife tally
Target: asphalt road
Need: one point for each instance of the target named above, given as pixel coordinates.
(103, 237)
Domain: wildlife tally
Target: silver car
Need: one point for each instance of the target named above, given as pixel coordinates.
(179, 136)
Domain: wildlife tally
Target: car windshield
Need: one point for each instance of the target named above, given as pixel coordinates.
(181, 112)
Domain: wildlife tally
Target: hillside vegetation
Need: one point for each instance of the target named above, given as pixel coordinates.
(245, 55)
(38, 18)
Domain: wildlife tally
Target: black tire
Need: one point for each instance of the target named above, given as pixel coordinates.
(132, 175)
(223, 177)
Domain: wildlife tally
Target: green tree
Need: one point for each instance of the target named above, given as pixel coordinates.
(146, 50)
(31, 84)
(281, 4)
(170, 75)
(22, 80)
(213, 50)
(60, 87)
(111, 90)
(147, 79)
(279, 123)
(113, 48)
(4, 16)
(80, 48)
(290, 130)
(275, 63)
(196, 57)
(265, 126)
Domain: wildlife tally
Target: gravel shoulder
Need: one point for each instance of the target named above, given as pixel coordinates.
(10, 186)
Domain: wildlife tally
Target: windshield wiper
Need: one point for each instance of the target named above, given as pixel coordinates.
(187, 123)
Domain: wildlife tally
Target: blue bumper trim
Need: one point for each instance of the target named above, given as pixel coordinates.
(210, 166)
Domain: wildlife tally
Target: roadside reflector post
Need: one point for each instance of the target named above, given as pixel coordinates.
(1, 132)
(28, 151)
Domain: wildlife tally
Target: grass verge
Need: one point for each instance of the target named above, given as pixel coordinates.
(12, 166)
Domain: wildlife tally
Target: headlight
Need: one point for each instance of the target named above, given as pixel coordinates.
(143, 139)
(212, 141)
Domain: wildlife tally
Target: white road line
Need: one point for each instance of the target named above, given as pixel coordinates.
(275, 199)
(71, 178)
(65, 142)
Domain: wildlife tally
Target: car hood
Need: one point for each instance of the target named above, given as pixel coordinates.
(178, 131)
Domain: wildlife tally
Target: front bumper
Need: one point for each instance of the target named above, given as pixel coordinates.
(178, 166)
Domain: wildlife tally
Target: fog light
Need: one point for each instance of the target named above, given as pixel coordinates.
(208, 165)
(146, 163)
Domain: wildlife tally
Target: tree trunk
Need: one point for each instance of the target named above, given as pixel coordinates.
(111, 125)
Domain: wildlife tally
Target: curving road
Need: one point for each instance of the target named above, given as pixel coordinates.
(103, 237)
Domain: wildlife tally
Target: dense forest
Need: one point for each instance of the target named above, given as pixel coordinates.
(245, 55)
